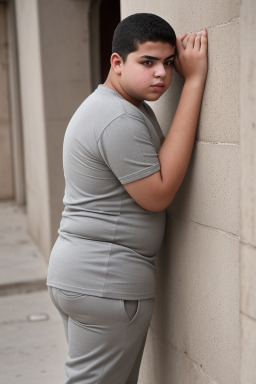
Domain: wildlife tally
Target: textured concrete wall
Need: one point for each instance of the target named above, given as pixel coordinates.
(6, 163)
(64, 39)
(248, 191)
(54, 70)
(33, 121)
(194, 334)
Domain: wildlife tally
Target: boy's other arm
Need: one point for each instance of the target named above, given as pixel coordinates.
(155, 192)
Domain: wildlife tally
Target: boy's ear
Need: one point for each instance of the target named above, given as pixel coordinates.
(116, 63)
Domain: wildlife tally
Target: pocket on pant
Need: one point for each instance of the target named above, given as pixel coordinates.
(70, 294)
(130, 309)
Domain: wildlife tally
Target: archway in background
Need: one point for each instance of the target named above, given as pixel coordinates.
(104, 17)
(109, 18)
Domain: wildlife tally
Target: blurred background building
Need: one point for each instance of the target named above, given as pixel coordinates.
(53, 54)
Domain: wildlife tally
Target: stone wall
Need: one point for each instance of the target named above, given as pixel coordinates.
(33, 122)
(53, 42)
(248, 191)
(6, 163)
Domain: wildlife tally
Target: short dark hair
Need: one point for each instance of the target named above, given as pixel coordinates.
(138, 29)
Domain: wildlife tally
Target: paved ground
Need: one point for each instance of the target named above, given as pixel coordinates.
(32, 344)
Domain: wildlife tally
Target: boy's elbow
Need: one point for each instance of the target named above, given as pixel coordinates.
(157, 205)
(151, 193)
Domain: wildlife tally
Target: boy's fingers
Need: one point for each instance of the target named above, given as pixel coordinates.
(185, 41)
(191, 40)
(204, 41)
(197, 44)
(178, 44)
(205, 32)
(181, 37)
(179, 41)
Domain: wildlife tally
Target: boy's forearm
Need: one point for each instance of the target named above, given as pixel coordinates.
(157, 191)
(176, 150)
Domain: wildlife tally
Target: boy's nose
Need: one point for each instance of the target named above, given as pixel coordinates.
(160, 71)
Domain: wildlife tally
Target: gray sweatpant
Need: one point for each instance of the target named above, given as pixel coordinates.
(106, 337)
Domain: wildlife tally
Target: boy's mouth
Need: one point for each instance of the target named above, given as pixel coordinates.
(158, 86)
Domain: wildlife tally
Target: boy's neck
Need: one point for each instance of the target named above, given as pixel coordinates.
(113, 83)
(109, 83)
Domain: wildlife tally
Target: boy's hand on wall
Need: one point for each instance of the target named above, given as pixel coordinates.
(185, 40)
(191, 61)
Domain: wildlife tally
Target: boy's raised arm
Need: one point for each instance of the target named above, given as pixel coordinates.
(156, 192)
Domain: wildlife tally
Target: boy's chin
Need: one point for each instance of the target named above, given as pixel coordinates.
(153, 97)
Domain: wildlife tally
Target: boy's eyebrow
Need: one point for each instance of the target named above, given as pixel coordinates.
(157, 58)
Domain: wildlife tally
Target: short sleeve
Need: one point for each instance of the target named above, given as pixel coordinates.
(127, 148)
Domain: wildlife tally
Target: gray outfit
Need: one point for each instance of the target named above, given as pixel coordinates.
(107, 243)
(106, 337)
(101, 273)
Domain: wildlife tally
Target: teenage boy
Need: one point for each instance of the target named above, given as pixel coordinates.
(119, 180)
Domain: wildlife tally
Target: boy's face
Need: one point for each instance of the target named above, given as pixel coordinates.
(147, 72)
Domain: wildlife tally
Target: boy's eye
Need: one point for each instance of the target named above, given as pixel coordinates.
(169, 63)
(148, 63)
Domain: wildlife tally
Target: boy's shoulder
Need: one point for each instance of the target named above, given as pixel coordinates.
(104, 107)
(110, 101)
(117, 106)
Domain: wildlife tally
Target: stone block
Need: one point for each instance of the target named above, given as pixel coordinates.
(248, 350)
(162, 363)
(197, 307)
(219, 118)
(185, 16)
(248, 281)
(210, 191)
(248, 123)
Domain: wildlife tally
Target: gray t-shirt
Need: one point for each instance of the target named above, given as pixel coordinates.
(107, 242)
